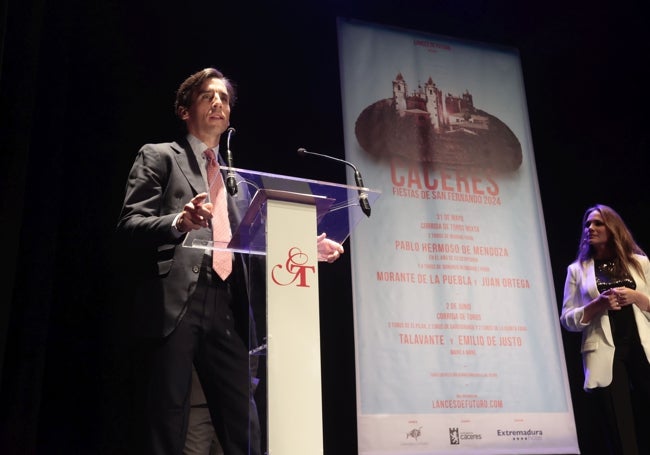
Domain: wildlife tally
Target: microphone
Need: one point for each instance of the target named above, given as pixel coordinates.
(231, 181)
(363, 196)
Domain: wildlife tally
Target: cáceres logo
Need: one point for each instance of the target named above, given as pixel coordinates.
(456, 436)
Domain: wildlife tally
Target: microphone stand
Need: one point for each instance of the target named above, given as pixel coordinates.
(231, 181)
(363, 196)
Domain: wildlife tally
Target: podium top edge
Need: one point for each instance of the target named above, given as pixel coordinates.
(243, 172)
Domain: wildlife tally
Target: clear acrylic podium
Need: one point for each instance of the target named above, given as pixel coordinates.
(284, 216)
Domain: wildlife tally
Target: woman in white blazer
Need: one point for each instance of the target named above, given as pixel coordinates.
(607, 298)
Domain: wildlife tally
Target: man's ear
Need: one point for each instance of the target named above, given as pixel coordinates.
(183, 113)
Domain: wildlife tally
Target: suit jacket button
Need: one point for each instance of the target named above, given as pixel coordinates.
(196, 269)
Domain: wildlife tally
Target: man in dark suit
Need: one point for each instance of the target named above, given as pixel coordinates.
(185, 312)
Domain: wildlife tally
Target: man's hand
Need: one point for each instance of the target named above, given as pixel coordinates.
(196, 214)
(328, 250)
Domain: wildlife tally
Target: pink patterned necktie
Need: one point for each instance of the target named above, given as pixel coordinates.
(221, 235)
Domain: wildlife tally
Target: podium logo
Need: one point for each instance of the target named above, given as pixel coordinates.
(294, 270)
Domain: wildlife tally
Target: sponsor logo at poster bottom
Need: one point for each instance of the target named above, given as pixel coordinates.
(521, 435)
(414, 435)
(456, 436)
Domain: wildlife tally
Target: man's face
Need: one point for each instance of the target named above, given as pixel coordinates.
(209, 114)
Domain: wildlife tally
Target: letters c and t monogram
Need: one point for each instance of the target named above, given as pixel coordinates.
(294, 270)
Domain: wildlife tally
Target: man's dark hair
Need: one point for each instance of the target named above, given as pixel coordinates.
(186, 91)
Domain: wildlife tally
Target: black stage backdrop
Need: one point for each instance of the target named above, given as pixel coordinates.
(83, 84)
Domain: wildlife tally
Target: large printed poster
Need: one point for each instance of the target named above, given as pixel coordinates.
(457, 335)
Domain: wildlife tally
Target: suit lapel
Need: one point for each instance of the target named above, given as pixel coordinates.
(590, 279)
(189, 165)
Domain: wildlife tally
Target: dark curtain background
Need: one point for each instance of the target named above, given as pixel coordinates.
(83, 84)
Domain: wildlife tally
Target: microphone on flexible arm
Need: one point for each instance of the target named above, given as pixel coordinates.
(231, 181)
(363, 196)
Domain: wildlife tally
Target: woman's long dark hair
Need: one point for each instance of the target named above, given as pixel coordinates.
(621, 240)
